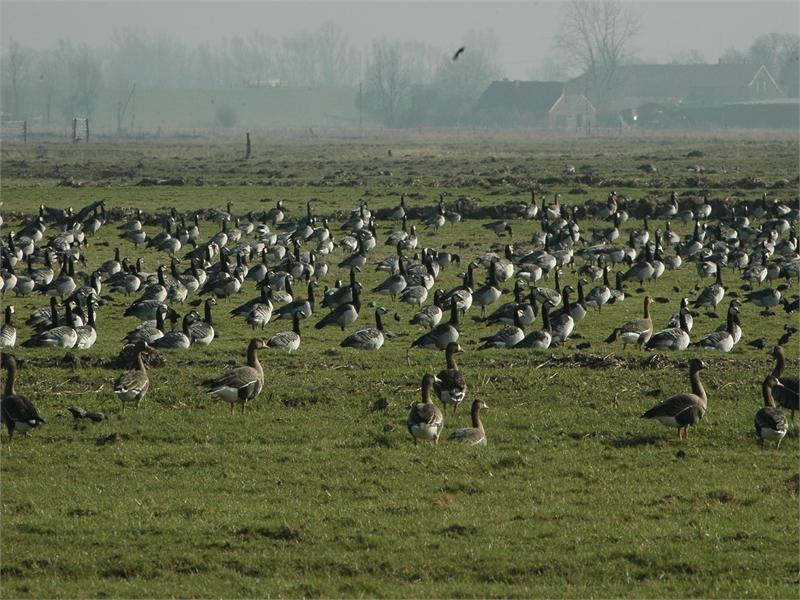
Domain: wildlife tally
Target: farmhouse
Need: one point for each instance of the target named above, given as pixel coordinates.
(544, 104)
(690, 86)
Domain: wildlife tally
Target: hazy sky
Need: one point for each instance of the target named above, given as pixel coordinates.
(526, 29)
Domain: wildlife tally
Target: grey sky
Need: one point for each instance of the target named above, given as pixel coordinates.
(526, 29)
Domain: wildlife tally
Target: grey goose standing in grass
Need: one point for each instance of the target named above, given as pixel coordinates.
(202, 331)
(303, 306)
(675, 320)
(178, 340)
(770, 422)
(712, 295)
(242, 384)
(683, 410)
(132, 385)
(287, 340)
(87, 334)
(17, 412)
(441, 335)
(766, 299)
(490, 292)
(499, 227)
(425, 421)
(450, 385)
(561, 321)
(367, 338)
(60, 336)
(787, 394)
(506, 312)
(540, 338)
(344, 314)
(150, 331)
(600, 294)
(635, 331)
(724, 339)
(475, 435)
(507, 337)
(553, 296)
(8, 333)
(671, 338)
(430, 315)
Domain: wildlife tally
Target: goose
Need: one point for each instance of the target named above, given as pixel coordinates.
(675, 320)
(577, 310)
(178, 340)
(132, 385)
(562, 324)
(726, 338)
(770, 422)
(287, 340)
(553, 296)
(766, 298)
(184, 283)
(202, 332)
(788, 393)
(275, 215)
(670, 209)
(137, 236)
(450, 385)
(59, 336)
(304, 307)
(221, 216)
(284, 293)
(87, 334)
(259, 312)
(540, 338)
(475, 435)
(344, 314)
(454, 216)
(711, 295)
(507, 337)
(412, 241)
(394, 284)
(641, 269)
(672, 338)
(8, 333)
(17, 412)
(341, 294)
(150, 331)
(430, 315)
(133, 224)
(64, 284)
(684, 410)
(506, 312)
(155, 292)
(445, 259)
(367, 338)
(241, 384)
(601, 294)
(437, 220)
(425, 421)
(635, 331)
(144, 310)
(441, 335)
(499, 227)
(399, 212)
(414, 295)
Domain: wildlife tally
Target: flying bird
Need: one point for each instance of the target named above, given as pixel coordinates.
(458, 53)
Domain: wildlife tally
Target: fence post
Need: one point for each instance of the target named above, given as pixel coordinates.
(74, 128)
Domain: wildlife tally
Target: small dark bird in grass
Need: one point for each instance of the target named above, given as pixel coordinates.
(398, 317)
(96, 417)
(677, 289)
(661, 300)
(759, 343)
(784, 339)
(458, 53)
(77, 412)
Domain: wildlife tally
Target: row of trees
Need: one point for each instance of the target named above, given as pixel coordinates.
(402, 84)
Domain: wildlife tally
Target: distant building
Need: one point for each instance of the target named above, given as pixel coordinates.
(685, 85)
(545, 104)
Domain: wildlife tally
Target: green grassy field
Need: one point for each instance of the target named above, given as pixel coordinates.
(314, 492)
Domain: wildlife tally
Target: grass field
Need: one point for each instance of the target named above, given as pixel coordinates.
(314, 491)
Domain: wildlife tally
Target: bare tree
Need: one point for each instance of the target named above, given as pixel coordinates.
(387, 79)
(16, 72)
(49, 81)
(596, 36)
(688, 57)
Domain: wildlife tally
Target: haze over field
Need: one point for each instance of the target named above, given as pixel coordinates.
(525, 30)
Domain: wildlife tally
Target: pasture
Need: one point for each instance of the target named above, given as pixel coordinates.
(317, 490)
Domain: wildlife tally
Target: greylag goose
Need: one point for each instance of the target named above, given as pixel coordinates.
(132, 385)
(450, 385)
(8, 333)
(489, 293)
(635, 331)
(499, 227)
(287, 340)
(241, 384)
(475, 435)
(425, 420)
(770, 422)
(712, 295)
(367, 338)
(684, 410)
(18, 413)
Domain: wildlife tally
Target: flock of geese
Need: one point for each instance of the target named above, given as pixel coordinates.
(274, 253)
